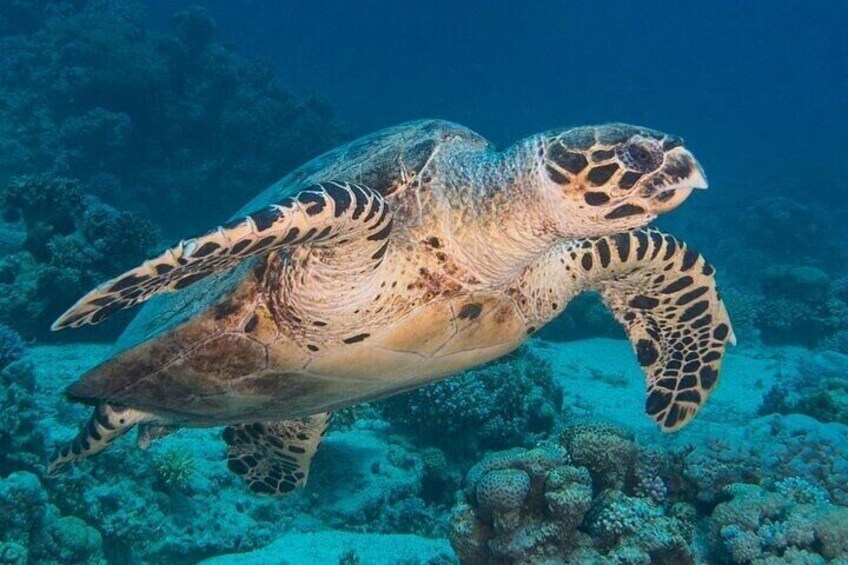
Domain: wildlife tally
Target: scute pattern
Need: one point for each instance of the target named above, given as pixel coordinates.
(274, 457)
(319, 215)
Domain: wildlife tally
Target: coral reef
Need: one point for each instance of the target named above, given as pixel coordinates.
(33, 530)
(390, 481)
(837, 342)
(767, 451)
(73, 242)
(22, 442)
(593, 493)
(763, 497)
(807, 284)
(510, 511)
(73, 541)
(785, 227)
(158, 123)
(817, 387)
(11, 346)
(13, 554)
(745, 309)
(22, 501)
(568, 503)
(513, 401)
(607, 451)
(799, 307)
(584, 317)
(793, 524)
(112, 133)
(797, 304)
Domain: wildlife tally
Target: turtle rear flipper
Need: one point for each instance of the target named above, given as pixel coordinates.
(274, 457)
(325, 214)
(665, 296)
(108, 423)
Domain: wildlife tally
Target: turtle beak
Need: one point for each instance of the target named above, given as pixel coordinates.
(684, 170)
(697, 180)
(680, 175)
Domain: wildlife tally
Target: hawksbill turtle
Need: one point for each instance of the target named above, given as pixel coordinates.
(392, 262)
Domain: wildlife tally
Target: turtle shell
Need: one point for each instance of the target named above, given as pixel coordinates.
(171, 324)
(380, 160)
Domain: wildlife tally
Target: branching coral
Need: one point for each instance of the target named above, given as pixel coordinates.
(175, 468)
(769, 450)
(745, 310)
(621, 525)
(759, 526)
(508, 403)
(800, 491)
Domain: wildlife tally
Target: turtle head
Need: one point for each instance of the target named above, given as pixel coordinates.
(616, 177)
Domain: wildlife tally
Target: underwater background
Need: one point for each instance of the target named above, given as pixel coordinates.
(125, 126)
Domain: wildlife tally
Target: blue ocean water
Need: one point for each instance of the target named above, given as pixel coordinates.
(128, 125)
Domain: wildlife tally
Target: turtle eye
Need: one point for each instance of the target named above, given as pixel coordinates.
(640, 156)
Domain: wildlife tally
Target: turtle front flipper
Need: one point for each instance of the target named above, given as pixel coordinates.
(324, 214)
(665, 296)
(274, 457)
(108, 423)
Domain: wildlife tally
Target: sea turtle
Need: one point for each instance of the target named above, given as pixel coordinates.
(392, 262)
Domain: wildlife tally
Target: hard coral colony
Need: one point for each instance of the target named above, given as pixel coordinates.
(110, 131)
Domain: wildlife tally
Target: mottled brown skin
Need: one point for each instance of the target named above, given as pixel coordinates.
(318, 327)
